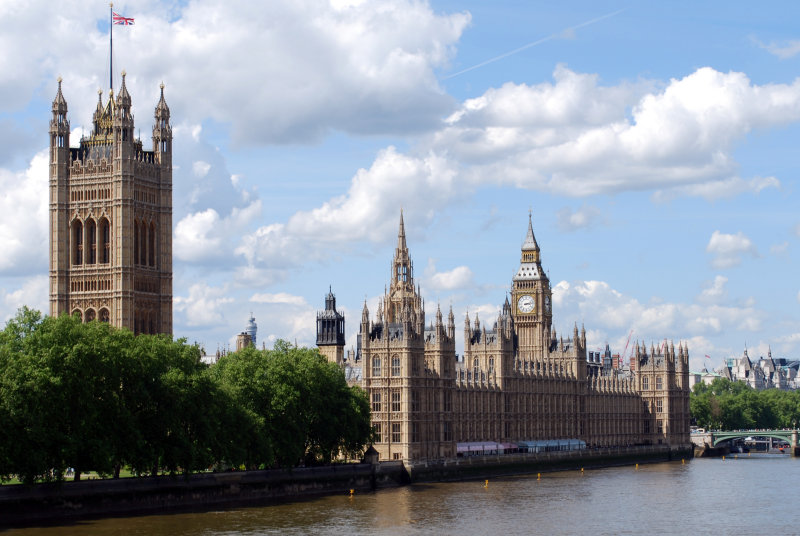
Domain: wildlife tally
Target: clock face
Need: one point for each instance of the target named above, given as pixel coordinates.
(525, 304)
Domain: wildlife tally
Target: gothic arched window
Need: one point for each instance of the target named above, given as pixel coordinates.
(77, 242)
(90, 315)
(152, 244)
(136, 240)
(104, 316)
(91, 242)
(105, 241)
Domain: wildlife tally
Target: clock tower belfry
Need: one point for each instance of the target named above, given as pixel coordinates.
(531, 302)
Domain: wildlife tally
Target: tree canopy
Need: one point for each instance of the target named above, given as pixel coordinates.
(88, 396)
(727, 405)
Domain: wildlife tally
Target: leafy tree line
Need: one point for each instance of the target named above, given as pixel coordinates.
(727, 405)
(93, 397)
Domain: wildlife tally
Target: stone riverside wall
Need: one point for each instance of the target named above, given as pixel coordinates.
(43, 503)
(26, 505)
(516, 464)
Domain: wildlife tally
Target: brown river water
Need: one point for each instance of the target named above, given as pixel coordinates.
(747, 495)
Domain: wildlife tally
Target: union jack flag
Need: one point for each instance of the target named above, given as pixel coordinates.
(119, 19)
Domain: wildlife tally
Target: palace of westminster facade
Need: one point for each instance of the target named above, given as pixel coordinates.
(111, 260)
(518, 381)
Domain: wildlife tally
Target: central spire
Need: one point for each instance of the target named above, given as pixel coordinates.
(530, 240)
(402, 270)
(401, 235)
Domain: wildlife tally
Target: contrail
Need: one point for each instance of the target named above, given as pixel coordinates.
(533, 44)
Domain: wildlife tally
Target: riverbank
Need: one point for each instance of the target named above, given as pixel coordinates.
(57, 503)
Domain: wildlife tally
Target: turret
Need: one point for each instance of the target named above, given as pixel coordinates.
(59, 130)
(451, 324)
(123, 123)
(162, 133)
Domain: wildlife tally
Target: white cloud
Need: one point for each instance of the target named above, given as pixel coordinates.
(287, 71)
(33, 293)
(718, 189)
(716, 292)
(202, 307)
(206, 237)
(200, 168)
(280, 297)
(24, 223)
(459, 277)
(728, 249)
(779, 249)
(784, 51)
(584, 217)
(601, 307)
(421, 185)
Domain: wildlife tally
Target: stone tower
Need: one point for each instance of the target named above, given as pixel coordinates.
(330, 331)
(111, 218)
(531, 302)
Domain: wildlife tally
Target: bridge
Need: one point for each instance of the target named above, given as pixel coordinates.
(714, 438)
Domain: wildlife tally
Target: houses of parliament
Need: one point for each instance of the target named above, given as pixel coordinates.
(111, 217)
(518, 380)
(518, 383)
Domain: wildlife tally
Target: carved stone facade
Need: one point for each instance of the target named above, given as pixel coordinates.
(111, 218)
(517, 382)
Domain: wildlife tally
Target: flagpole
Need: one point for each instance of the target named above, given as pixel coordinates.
(111, 45)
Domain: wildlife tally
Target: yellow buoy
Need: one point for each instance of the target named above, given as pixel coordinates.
(581, 470)
(538, 476)
(352, 491)
(683, 461)
(723, 458)
(486, 484)
(637, 466)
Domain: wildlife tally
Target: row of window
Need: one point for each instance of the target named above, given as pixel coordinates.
(97, 238)
(377, 401)
(88, 286)
(646, 383)
(90, 195)
(396, 436)
(90, 314)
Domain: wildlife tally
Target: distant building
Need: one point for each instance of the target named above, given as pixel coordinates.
(111, 218)
(519, 384)
(764, 373)
(330, 331)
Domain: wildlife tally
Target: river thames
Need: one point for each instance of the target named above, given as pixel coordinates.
(739, 495)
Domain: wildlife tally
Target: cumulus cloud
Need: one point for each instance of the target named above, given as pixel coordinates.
(280, 297)
(779, 249)
(728, 249)
(365, 67)
(715, 292)
(784, 51)
(23, 227)
(599, 305)
(394, 181)
(202, 307)
(32, 292)
(206, 237)
(459, 277)
(582, 218)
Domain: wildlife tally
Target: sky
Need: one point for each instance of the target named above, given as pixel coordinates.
(654, 145)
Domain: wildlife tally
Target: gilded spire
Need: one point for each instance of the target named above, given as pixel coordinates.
(530, 240)
(59, 103)
(401, 234)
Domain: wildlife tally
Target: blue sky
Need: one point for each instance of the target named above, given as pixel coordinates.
(654, 144)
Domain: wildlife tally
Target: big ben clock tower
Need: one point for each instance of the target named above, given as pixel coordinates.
(531, 301)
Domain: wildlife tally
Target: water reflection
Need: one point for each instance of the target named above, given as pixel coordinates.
(741, 495)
